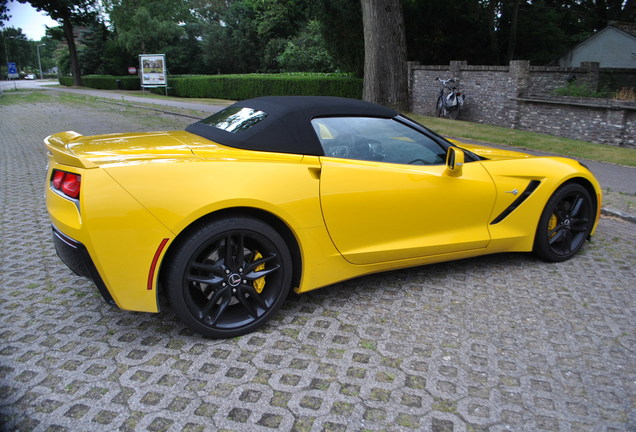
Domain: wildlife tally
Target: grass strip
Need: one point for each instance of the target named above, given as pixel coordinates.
(530, 140)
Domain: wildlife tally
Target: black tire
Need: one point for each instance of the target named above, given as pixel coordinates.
(565, 223)
(229, 277)
(439, 106)
(453, 113)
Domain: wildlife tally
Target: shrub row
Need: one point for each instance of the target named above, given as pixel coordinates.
(237, 87)
(66, 81)
(106, 82)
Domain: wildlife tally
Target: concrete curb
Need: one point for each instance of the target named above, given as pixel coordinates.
(619, 214)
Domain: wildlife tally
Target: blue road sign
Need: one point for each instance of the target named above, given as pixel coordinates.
(12, 70)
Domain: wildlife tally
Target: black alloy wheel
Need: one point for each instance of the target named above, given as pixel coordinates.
(229, 277)
(565, 223)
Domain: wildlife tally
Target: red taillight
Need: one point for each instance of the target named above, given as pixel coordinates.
(67, 183)
(58, 176)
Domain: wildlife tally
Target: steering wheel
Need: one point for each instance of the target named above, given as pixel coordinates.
(418, 160)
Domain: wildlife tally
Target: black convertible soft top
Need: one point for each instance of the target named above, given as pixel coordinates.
(287, 126)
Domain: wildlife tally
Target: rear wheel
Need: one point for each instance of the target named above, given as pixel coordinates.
(565, 223)
(229, 277)
(453, 112)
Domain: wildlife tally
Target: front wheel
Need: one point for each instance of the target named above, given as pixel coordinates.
(439, 107)
(229, 277)
(565, 223)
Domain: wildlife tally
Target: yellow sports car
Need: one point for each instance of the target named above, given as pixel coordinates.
(275, 193)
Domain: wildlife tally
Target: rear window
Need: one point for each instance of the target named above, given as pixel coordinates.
(235, 119)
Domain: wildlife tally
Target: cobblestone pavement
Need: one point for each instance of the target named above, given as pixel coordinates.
(499, 343)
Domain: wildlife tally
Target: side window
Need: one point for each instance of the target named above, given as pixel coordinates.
(376, 139)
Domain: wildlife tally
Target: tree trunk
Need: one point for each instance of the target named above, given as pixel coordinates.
(72, 50)
(493, 10)
(512, 40)
(385, 68)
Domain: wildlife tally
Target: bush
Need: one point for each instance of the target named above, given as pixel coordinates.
(106, 82)
(66, 81)
(626, 94)
(581, 90)
(238, 87)
(110, 82)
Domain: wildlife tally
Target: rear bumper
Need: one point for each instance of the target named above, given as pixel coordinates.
(76, 257)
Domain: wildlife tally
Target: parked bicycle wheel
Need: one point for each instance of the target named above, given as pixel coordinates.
(444, 111)
(439, 106)
(449, 100)
(452, 112)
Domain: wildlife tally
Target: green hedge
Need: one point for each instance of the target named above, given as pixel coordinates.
(237, 87)
(106, 82)
(66, 81)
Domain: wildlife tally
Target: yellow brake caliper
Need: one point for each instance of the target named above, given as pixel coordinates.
(259, 283)
(552, 223)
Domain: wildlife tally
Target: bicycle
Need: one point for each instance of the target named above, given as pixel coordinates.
(450, 100)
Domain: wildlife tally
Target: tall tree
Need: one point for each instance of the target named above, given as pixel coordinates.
(512, 39)
(68, 13)
(341, 28)
(385, 72)
(144, 26)
(16, 48)
(4, 11)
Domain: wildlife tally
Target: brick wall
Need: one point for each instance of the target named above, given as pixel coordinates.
(522, 97)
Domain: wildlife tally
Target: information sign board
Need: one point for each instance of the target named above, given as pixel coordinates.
(153, 70)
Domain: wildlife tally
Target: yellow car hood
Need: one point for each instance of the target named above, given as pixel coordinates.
(491, 152)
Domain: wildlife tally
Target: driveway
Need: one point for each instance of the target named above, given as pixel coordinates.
(498, 343)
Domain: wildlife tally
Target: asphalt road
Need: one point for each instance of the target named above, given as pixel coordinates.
(498, 343)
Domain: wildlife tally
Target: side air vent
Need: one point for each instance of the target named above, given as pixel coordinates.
(516, 203)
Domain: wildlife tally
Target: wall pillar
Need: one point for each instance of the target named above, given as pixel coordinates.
(518, 77)
(593, 74)
(456, 69)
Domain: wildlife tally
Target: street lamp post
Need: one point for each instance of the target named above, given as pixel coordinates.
(37, 47)
(6, 52)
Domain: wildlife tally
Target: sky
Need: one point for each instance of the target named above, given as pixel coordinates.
(29, 20)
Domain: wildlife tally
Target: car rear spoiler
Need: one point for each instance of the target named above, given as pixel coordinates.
(57, 145)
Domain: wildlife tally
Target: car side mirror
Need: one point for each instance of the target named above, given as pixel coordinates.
(454, 161)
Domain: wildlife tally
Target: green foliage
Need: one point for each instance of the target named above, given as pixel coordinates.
(147, 26)
(341, 29)
(91, 51)
(230, 42)
(237, 87)
(18, 49)
(306, 52)
(106, 82)
(4, 11)
(77, 12)
(581, 90)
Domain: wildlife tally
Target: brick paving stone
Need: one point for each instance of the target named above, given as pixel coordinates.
(497, 343)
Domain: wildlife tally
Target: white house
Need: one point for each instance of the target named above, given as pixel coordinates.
(612, 47)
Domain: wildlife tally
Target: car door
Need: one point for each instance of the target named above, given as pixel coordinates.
(379, 207)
